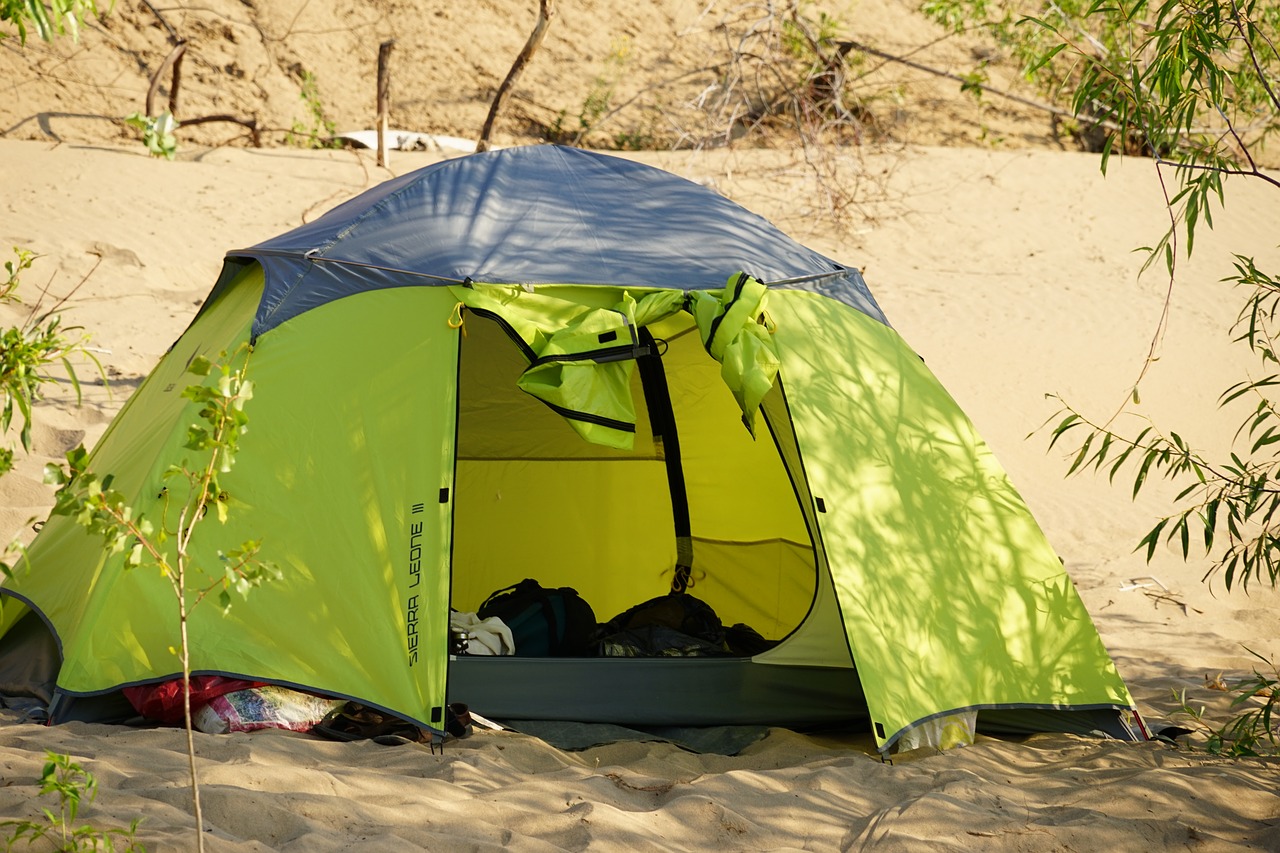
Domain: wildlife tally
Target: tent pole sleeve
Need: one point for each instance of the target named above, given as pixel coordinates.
(657, 397)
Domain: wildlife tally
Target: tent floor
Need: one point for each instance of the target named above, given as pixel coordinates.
(657, 691)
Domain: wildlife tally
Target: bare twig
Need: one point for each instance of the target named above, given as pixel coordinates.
(174, 57)
(329, 200)
(784, 70)
(846, 46)
(62, 300)
(1209, 167)
(251, 124)
(175, 83)
(606, 116)
(1237, 19)
(1157, 337)
(294, 22)
(173, 34)
(546, 9)
(1170, 598)
(383, 96)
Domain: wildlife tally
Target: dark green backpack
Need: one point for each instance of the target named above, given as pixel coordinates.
(543, 622)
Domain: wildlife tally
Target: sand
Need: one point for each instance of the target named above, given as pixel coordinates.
(607, 70)
(1008, 264)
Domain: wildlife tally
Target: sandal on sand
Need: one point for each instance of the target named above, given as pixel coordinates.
(458, 720)
(353, 722)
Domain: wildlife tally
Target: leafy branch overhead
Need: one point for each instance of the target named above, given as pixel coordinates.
(1192, 85)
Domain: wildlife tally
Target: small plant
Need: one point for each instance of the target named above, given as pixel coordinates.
(157, 133)
(634, 140)
(599, 101)
(26, 349)
(73, 786)
(319, 130)
(802, 35)
(1252, 730)
(197, 492)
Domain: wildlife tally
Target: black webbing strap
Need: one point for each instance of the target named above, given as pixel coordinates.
(662, 420)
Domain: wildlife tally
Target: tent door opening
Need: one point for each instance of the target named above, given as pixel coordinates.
(696, 503)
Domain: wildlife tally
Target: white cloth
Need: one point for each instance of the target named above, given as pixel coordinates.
(484, 636)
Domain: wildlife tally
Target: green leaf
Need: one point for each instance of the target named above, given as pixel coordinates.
(1152, 538)
(1080, 456)
(1210, 524)
(1044, 59)
(1101, 455)
(54, 475)
(1142, 472)
(1068, 422)
(198, 438)
(1271, 436)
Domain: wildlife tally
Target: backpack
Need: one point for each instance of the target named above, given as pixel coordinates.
(673, 625)
(543, 622)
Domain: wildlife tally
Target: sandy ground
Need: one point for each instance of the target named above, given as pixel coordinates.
(1010, 272)
(616, 72)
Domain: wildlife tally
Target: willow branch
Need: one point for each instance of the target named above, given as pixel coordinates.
(1253, 56)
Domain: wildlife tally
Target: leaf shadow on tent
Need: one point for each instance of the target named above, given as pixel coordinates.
(951, 595)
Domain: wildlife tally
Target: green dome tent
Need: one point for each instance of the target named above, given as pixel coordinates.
(548, 363)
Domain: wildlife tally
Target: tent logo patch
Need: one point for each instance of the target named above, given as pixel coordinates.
(415, 578)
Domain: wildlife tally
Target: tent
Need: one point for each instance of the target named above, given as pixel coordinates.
(550, 363)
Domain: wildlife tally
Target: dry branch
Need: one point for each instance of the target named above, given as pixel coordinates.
(173, 34)
(173, 60)
(251, 124)
(383, 97)
(546, 10)
(846, 46)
